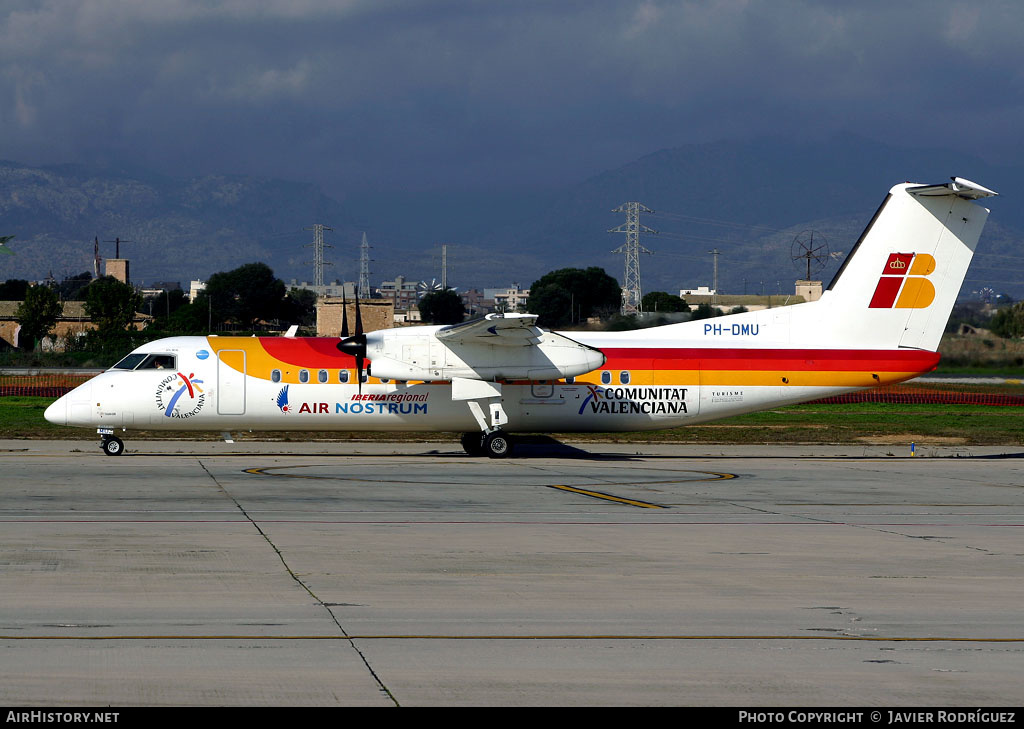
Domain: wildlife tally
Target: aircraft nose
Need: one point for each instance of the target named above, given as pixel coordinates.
(57, 413)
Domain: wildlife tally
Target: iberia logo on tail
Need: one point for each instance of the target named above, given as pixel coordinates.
(904, 283)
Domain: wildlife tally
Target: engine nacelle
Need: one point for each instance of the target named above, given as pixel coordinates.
(418, 354)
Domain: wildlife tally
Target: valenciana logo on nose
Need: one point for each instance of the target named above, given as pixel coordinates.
(904, 282)
(171, 390)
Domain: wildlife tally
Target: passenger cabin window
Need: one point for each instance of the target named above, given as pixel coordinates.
(570, 380)
(606, 378)
(624, 377)
(363, 376)
(303, 375)
(321, 376)
(343, 376)
(275, 375)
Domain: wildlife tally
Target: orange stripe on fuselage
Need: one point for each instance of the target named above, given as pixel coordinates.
(289, 355)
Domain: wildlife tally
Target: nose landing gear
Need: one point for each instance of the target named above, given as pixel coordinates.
(111, 444)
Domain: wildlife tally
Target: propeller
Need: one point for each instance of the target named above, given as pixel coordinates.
(354, 346)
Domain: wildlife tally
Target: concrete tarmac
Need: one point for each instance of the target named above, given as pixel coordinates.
(383, 574)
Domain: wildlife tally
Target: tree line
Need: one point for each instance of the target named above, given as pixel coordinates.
(247, 298)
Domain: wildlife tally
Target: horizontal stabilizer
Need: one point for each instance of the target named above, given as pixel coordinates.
(959, 187)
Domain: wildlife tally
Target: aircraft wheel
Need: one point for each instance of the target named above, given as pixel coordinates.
(497, 445)
(113, 446)
(473, 443)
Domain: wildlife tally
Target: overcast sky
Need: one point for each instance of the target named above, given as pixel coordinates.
(438, 93)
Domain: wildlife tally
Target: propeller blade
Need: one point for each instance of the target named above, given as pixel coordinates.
(359, 317)
(344, 315)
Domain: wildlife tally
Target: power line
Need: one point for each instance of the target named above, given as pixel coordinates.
(631, 293)
(720, 223)
(714, 286)
(364, 269)
(318, 253)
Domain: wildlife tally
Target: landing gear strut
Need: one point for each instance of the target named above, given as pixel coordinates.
(112, 445)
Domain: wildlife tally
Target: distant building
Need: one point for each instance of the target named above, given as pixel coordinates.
(375, 314)
(194, 288)
(476, 303)
(727, 302)
(403, 294)
(118, 268)
(511, 299)
(408, 318)
(73, 322)
(809, 290)
(699, 291)
(167, 285)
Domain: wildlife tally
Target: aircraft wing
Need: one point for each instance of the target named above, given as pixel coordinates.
(507, 330)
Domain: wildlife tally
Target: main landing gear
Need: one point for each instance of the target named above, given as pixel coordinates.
(496, 444)
(490, 440)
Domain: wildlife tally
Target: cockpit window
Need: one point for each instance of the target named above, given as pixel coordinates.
(130, 362)
(142, 361)
(158, 362)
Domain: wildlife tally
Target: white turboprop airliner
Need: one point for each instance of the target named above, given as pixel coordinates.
(879, 322)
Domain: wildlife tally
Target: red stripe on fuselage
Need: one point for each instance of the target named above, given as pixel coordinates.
(886, 360)
(311, 352)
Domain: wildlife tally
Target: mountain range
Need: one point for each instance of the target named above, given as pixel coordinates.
(755, 202)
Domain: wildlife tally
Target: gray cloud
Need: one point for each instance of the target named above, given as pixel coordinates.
(421, 94)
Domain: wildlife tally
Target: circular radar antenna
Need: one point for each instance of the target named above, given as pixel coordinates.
(810, 248)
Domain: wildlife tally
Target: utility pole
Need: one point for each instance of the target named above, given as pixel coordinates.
(364, 269)
(119, 269)
(318, 253)
(117, 245)
(714, 286)
(631, 293)
(444, 267)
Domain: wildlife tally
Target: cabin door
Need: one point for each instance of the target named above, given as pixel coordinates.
(231, 382)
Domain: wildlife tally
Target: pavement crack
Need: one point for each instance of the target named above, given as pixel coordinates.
(298, 580)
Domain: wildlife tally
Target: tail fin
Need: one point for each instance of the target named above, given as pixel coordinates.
(898, 285)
